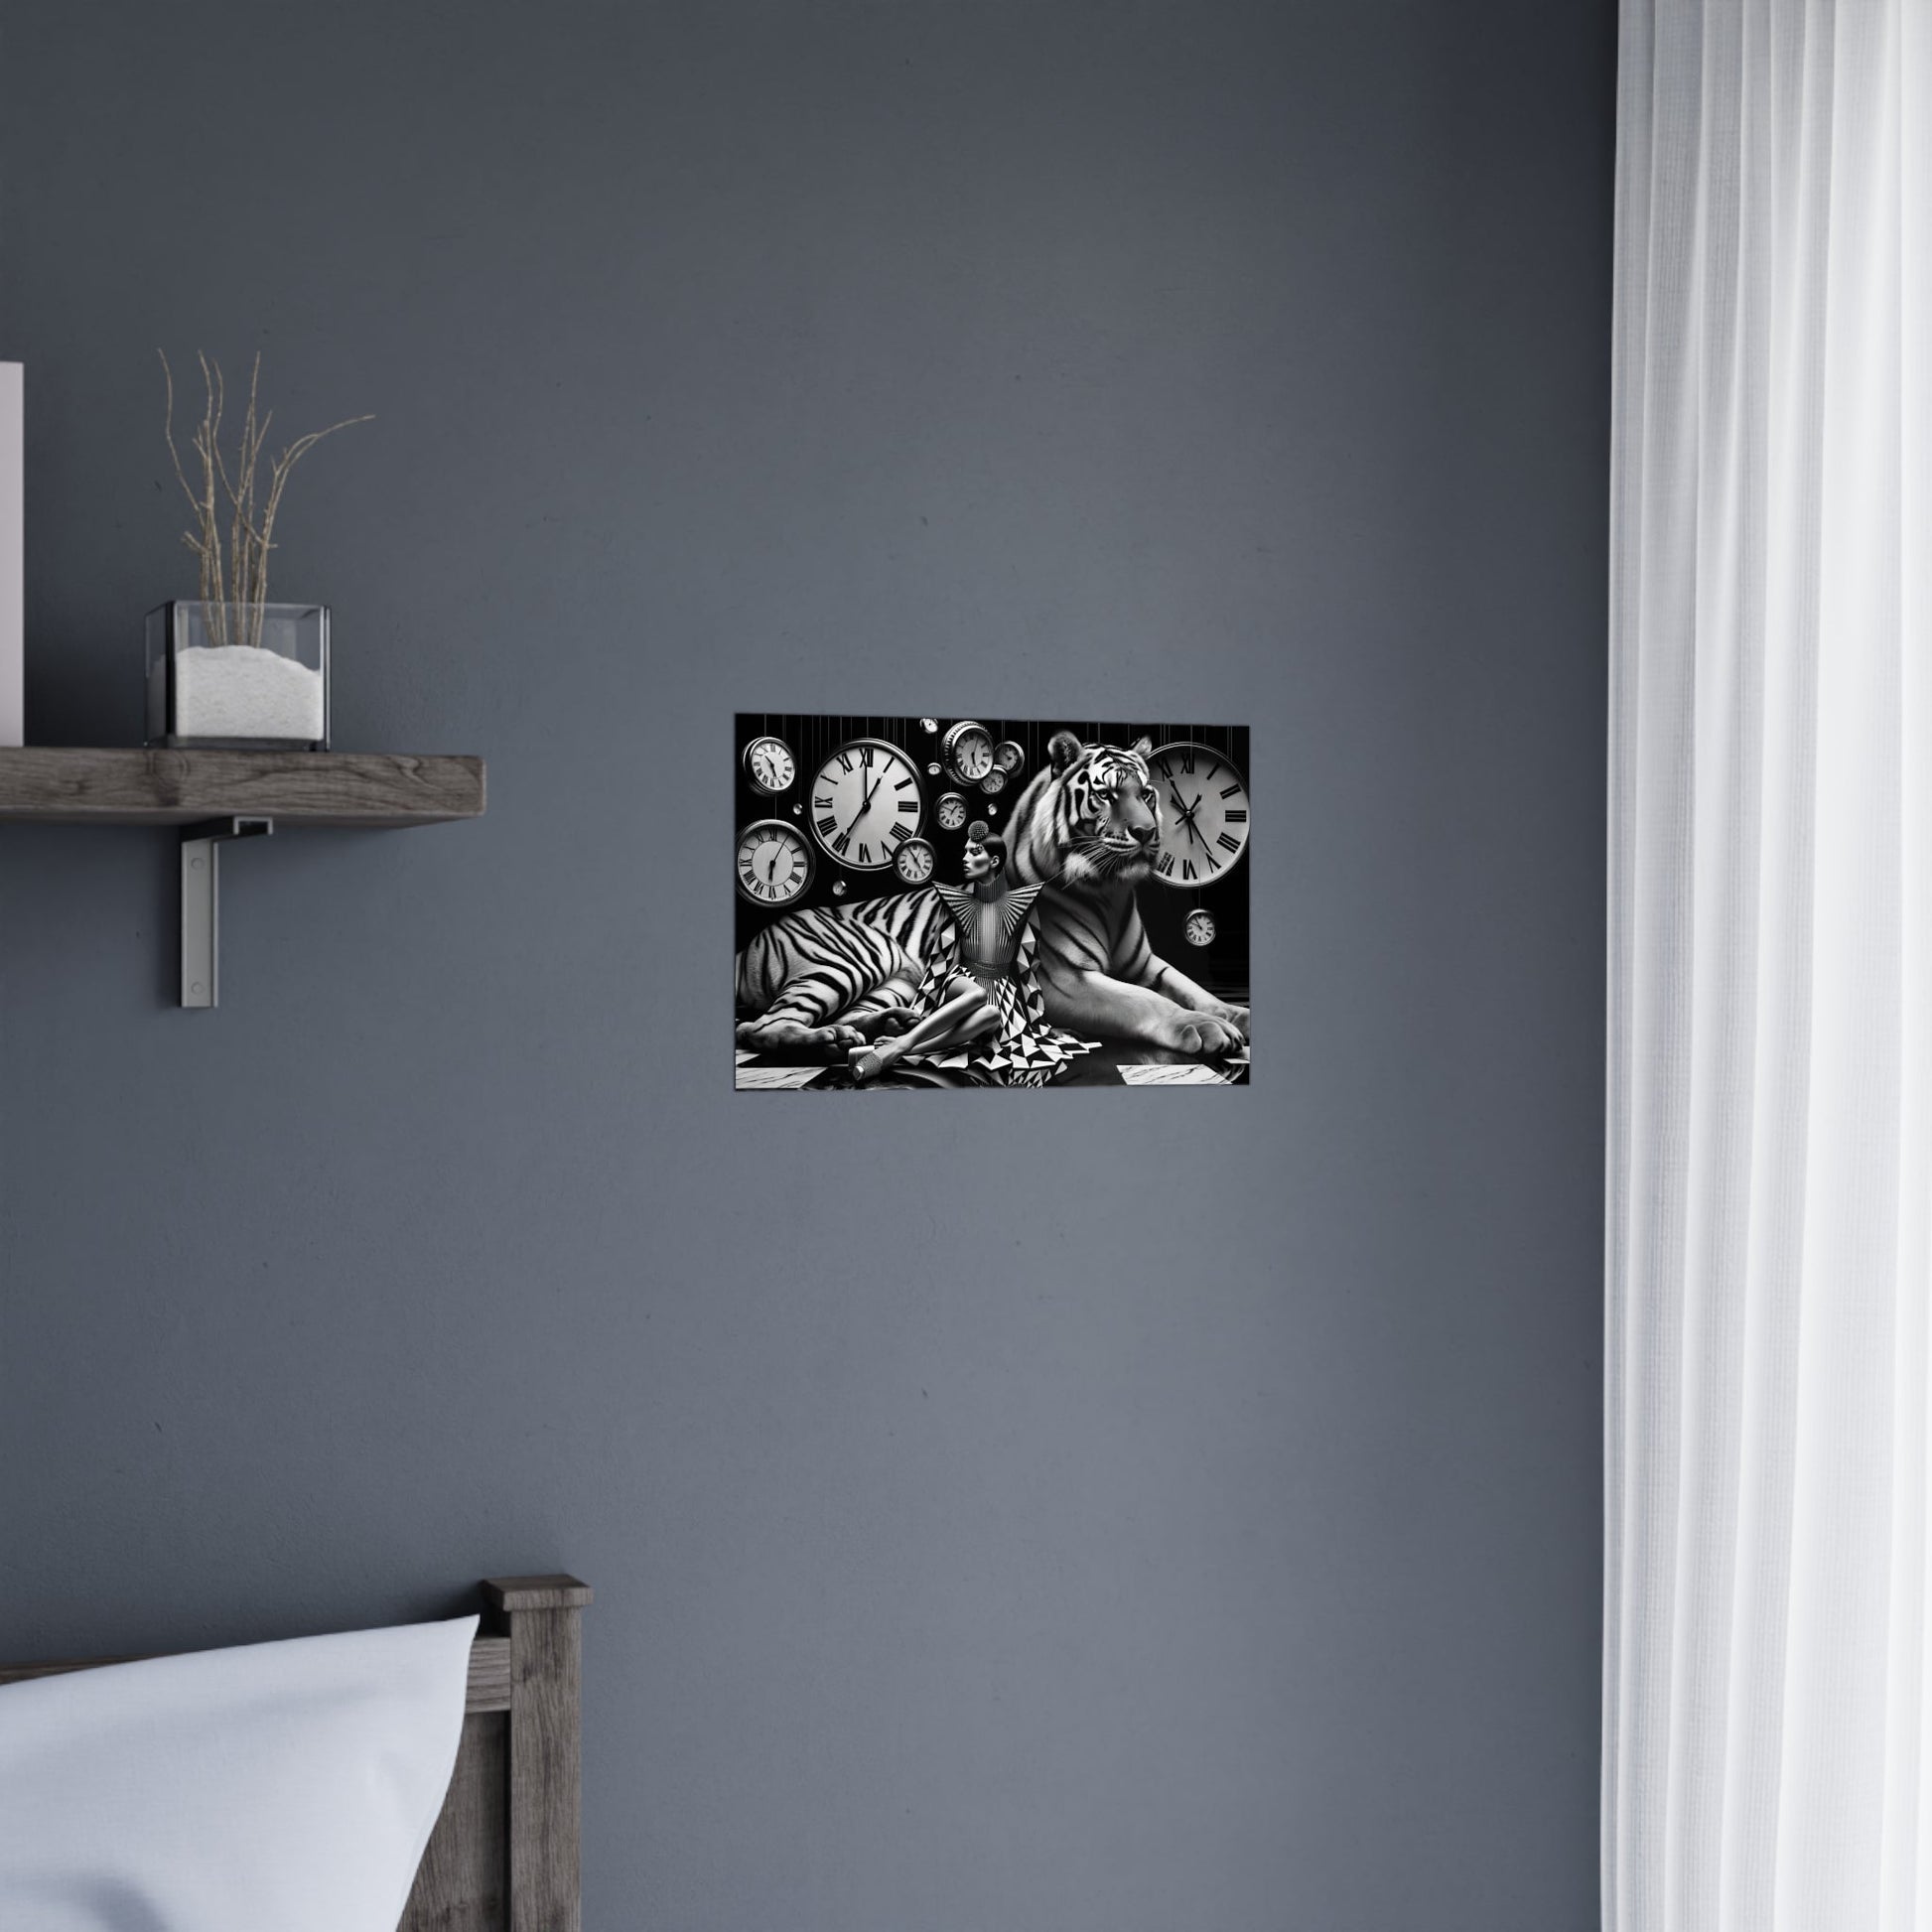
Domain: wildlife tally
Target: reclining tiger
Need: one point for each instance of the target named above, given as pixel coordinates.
(1086, 829)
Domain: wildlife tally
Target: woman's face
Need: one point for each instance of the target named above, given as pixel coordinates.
(979, 862)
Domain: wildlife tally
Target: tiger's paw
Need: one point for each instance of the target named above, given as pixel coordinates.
(891, 1019)
(794, 1036)
(1198, 1033)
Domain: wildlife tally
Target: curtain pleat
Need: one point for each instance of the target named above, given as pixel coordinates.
(1769, 1219)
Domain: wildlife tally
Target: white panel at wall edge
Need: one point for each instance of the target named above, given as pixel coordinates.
(13, 720)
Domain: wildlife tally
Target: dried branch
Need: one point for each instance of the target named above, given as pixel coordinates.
(235, 573)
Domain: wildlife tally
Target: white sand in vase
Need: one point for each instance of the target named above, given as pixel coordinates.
(245, 691)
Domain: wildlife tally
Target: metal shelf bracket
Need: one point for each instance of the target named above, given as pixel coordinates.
(200, 903)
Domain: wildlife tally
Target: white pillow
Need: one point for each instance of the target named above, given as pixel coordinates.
(284, 1787)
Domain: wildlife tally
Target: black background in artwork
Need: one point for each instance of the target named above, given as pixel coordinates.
(1222, 966)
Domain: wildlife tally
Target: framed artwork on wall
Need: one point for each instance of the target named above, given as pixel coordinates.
(936, 903)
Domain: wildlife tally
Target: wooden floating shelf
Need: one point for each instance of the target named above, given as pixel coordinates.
(226, 795)
(372, 790)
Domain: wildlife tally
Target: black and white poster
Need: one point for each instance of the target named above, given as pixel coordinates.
(944, 903)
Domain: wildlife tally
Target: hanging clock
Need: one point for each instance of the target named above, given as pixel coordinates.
(769, 765)
(1010, 757)
(1200, 928)
(914, 861)
(866, 803)
(775, 863)
(1204, 814)
(993, 782)
(967, 752)
(951, 811)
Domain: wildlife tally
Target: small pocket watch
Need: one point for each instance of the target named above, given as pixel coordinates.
(967, 752)
(914, 861)
(769, 765)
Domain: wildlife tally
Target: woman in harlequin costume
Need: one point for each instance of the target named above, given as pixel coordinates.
(983, 1010)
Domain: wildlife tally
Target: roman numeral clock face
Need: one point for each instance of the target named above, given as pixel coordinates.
(775, 863)
(1204, 814)
(864, 803)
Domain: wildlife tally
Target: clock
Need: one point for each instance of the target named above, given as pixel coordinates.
(775, 863)
(967, 752)
(914, 861)
(1204, 814)
(993, 782)
(769, 765)
(866, 803)
(1200, 928)
(951, 811)
(1008, 756)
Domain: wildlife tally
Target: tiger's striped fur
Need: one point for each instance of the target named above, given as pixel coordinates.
(854, 967)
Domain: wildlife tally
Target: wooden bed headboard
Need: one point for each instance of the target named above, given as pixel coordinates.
(503, 1857)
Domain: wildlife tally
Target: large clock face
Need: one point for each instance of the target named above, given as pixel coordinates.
(866, 803)
(1204, 814)
(775, 863)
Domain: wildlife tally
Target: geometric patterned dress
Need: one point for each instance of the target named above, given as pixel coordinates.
(991, 937)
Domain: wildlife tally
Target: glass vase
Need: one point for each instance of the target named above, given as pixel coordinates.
(238, 676)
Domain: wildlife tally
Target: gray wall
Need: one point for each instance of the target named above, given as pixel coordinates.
(1089, 1512)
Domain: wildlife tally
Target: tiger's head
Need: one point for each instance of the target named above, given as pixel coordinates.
(1090, 817)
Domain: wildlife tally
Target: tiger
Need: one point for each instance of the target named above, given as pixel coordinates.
(1086, 827)
(834, 977)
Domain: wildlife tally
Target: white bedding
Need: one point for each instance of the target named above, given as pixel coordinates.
(283, 1787)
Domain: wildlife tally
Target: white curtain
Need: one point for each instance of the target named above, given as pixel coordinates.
(1767, 1752)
